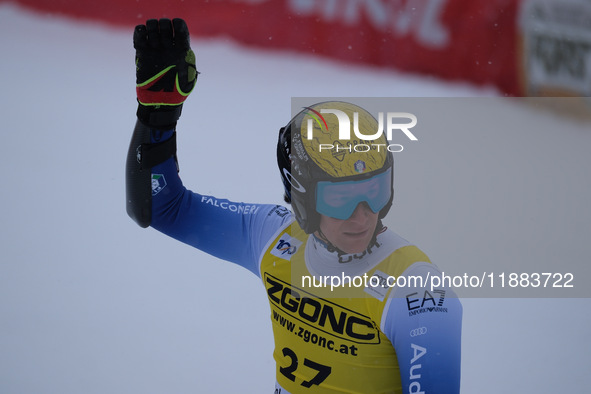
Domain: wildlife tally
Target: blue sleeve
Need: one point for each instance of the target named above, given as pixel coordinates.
(425, 327)
(232, 231)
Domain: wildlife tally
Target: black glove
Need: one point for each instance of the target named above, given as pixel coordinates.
(165, 70)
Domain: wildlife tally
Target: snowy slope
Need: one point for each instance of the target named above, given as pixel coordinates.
(91, 303)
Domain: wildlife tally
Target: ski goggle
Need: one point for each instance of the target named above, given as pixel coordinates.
(339, 199)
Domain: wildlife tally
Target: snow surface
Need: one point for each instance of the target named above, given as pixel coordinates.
(91, 303)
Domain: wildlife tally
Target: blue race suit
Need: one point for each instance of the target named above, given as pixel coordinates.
(412, 336)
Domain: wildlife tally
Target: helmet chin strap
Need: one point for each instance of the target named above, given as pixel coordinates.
(380, 228)
(327, 244)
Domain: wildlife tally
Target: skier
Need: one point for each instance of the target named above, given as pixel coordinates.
(340, 323)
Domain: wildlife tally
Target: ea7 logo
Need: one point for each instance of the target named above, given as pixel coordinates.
(286, 247)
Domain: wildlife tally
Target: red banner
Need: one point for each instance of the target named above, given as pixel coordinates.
(469, 40)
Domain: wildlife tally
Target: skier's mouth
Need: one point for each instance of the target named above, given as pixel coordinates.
(356, 234)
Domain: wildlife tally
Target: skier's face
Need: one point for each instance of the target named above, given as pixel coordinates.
(351, 235)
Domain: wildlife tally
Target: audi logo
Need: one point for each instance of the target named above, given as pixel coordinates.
(418, 331)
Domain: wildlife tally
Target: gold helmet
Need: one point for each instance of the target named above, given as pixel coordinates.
(332, 156)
